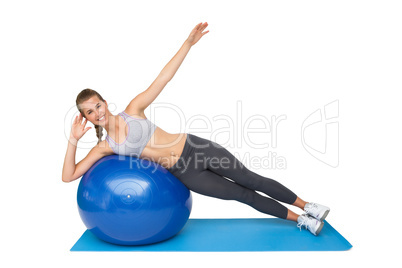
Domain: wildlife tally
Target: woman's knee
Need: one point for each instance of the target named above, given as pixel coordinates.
(247, 196)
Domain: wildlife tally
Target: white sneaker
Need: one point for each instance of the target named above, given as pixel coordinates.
(311, 224)
(316, 210)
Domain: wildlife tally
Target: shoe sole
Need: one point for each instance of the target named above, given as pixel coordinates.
(319, 228)
(325, 215)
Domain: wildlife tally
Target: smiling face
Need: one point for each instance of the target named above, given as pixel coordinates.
(95, 111)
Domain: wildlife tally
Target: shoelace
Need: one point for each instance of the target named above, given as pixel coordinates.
(303, 222)
(310, 208)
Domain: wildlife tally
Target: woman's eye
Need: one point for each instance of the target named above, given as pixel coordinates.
(96, 107)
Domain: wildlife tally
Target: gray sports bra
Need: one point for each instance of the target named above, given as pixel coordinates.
(140, 130)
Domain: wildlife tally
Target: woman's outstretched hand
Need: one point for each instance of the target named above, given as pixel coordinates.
(78, 128)
(197, 33)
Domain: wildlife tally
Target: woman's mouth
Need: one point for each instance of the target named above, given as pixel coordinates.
(101, 118)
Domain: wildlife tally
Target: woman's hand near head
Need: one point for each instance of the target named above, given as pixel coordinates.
(78, 128)
(197, 33)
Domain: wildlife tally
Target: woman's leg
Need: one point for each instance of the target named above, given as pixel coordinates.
(220, 161)
(211, 184)
(299, 203)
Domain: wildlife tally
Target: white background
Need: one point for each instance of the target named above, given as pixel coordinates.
(276, 57)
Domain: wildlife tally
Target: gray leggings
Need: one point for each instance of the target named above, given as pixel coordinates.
(204, 167)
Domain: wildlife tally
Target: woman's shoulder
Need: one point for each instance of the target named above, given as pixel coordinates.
(134, 114)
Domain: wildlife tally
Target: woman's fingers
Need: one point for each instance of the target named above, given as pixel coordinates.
(83, 125)
(197, 27)
(204, 26)
(201, 27)
(78, 121)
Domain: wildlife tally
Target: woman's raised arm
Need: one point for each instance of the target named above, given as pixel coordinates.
(145, 98)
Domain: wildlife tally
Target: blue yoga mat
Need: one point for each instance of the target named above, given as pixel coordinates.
(272, 234)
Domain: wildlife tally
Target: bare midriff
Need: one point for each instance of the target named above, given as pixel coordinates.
(164, 148)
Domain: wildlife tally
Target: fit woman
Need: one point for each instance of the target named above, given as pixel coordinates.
(202, 165)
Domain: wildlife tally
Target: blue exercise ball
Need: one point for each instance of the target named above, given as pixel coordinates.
(130, 201)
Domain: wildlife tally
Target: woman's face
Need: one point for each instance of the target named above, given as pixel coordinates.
(95, 111)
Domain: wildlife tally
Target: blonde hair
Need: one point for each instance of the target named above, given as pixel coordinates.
(85, 95)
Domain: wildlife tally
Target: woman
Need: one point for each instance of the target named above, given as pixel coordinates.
(200, 164)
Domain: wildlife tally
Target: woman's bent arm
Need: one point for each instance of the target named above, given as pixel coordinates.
(71, 171)
(69, 160)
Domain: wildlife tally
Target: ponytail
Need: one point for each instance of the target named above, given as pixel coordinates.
(99, 132)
